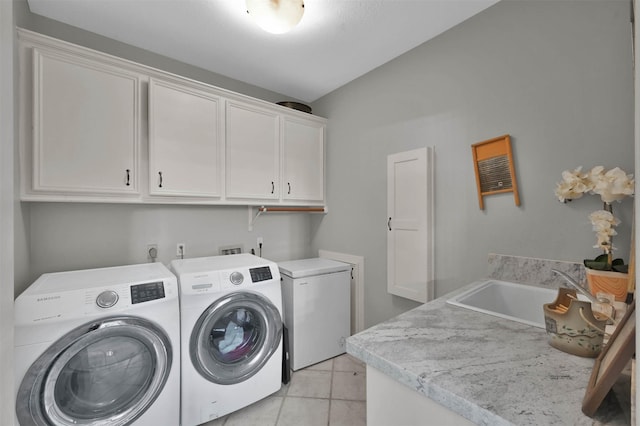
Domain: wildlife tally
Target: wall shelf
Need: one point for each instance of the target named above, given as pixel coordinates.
(279, 209)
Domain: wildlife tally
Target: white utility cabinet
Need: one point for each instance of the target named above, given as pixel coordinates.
(317, 309)
(303, 160)
(185, 126)
(86, 128)
(410, 229)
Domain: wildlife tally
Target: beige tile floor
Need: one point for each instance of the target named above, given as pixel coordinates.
(330, 393)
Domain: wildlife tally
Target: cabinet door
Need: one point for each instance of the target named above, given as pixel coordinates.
(303, 160)
(410, 224)
(252, 152)
(85, 126)
(184, 148)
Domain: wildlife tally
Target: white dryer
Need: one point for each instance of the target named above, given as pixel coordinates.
(231, 323)
(99, 346)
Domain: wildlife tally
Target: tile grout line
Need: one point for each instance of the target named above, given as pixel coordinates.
(284, 397)
(333, 368)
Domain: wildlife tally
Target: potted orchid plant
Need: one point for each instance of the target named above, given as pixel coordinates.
(612, 185)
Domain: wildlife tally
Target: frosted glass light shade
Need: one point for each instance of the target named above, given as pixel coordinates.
(276, 16)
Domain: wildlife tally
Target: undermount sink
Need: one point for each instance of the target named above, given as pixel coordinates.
(515, 302)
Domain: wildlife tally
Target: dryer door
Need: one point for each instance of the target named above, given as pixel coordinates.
(234, 337)
(107, 371)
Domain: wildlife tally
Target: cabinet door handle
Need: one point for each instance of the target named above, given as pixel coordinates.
(128, 177)
(289, 184)
(160, 181)
(389, 224)
(273, 187)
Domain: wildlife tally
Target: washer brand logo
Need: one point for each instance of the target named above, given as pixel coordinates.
(47, 298)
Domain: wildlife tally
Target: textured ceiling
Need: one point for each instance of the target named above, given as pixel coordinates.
(336, 41)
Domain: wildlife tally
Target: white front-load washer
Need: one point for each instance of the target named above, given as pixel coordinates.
(99, 347)
(231, 333)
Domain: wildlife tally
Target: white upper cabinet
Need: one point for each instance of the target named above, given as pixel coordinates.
(252, 152)
(303, 160)
(185, 126)
(97, 128)
(86, 126)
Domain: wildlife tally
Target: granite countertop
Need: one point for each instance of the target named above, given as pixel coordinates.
(490, 370)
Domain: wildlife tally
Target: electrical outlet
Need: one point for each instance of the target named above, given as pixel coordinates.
(259, 241)
(152, 252)
(181, 250)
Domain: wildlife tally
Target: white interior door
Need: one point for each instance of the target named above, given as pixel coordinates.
(410, 224)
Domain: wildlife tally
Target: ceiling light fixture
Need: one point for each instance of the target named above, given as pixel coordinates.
(276, 16)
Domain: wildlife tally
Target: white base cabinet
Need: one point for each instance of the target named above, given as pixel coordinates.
(96, 128)
(391, 403)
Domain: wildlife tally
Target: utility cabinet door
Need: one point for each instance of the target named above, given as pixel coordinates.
(184, 141)
(252, 152)
(303, 160)
(410, 224)
(85, 126)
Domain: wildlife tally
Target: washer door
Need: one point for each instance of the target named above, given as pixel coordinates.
(234, 337)
(108, 371)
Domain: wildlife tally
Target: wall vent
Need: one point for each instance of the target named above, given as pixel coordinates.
(236, 249)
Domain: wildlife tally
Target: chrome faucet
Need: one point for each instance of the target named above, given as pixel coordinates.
(577, 286)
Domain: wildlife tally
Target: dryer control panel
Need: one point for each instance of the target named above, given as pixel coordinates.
(214, 274)
(247, 277)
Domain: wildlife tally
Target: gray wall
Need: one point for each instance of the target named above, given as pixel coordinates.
(556, 76)
(54, 237)
(59, 30)
(67, 236)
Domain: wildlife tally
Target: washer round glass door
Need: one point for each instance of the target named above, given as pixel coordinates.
(234, 337)
(108, 371)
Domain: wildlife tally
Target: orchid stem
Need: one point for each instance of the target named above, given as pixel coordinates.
(608, 207)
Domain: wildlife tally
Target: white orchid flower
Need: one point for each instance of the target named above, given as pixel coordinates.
(603, 224)
(613, 185)
(573, 186)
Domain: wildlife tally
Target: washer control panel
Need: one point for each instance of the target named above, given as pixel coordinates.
(146, 292)
(260, 274)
